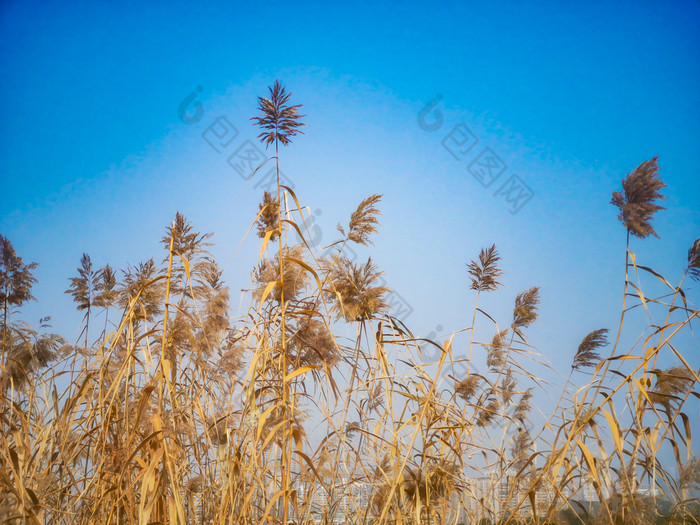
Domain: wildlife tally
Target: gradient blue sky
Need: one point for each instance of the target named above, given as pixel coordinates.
(94, 158)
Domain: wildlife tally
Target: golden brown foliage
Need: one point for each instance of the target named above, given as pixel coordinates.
(314, 405)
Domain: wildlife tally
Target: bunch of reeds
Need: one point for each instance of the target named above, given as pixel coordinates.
(179, 413)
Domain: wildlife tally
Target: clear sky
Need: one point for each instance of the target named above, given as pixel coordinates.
(569, 97)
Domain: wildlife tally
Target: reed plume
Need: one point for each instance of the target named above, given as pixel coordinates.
(269, 212)
(355, 292)
(280, 120)
(295, 277)
(485, 272)
(525, 312)
(524, 405)
(587, 354)
(637, 203)
(106, 287)
(466, 388)
(16, 277)
(670, 384)
(141, 284)
(496, 351)
(29, 354)
(312, 344)
(363, 221)
(82, 288)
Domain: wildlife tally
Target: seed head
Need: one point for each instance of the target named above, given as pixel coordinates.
(636, 200)
(278, 119)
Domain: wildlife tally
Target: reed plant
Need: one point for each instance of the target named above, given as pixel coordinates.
(179, 412)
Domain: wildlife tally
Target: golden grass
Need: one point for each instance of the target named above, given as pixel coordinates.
(178, 413)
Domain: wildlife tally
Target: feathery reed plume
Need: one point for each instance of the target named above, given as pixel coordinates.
(587, 354)
(636, 202)
(218, 430)
(231, 356)
(694, 260)
(485, 272)
(487, 413)
(495, 357)
(280, 120)
(375, 398)
(525, 312)
(16, 278)
(196, 484)
(314, 345)
(215, 322)
(355, 296)
(268, 218)
(186, 242)
(27, 357)
(363, 221)
(188, 248)
(295, 277)
(465, 388)
(83, 289)
(520, 448)
(352, 427)
(669, 384)
(273, 428)
(425, 485)
(524, 405)
(140, 280)
(106, 288)
(507, 388)
(83, 286)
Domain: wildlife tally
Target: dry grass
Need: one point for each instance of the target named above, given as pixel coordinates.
(178, 413)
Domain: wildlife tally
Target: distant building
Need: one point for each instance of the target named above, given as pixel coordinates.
(485, 496)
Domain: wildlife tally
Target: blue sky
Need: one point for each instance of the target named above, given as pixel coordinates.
(94, 158)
